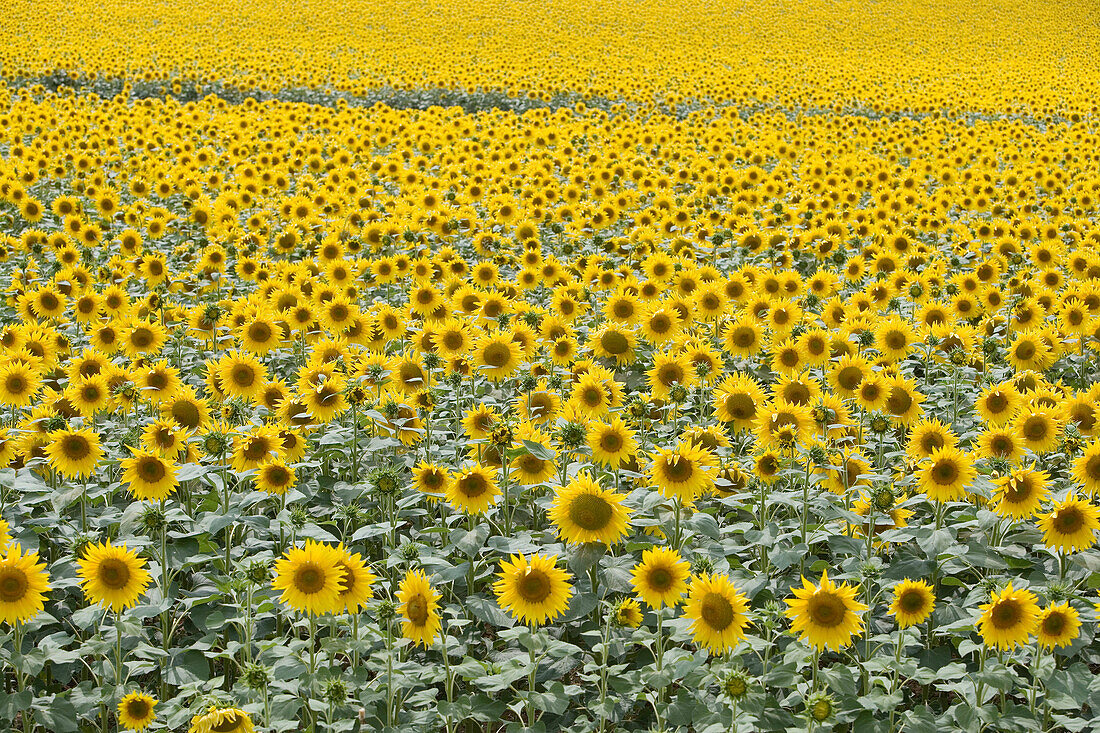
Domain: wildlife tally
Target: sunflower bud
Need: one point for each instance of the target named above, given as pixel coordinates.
(386, 610)
(736, 684)
(256, 676)
(153, 518)
(820, 707)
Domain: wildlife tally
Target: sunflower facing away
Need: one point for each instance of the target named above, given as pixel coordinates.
(913, 602)
(113, 576)
(136, 711)
(222, 720)
(533, 589)
(1009, 618)
(584, 511)
(311, 578)
(718, 612)
(661, 577)
(825, 615)
(419, 608)
(23, 584)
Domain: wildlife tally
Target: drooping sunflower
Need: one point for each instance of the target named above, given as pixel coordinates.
(1071, 525)
(113, 576)
(946, 474)
(1058, 625)
(914, 601)
(660, 579)
(311, 578)
(611, 442)
(473, 489)
(222, 720)
(136, 711)
(533, 589)
(1009, 618)
(584, 511)
(825, 615)
(23, 585)
(149, 477)
(419, 608)
(684, 472)
(718, 612)
(1020, 493)
(358, 580)
(74, 453)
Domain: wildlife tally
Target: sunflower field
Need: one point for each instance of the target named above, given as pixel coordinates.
(546, 366)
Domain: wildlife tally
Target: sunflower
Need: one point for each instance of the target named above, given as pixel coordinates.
(825, 615)
(614, 342)
(1001, 443)
(1028, 352)
(19, 384)
(611, 442)
(496, 356)
(252, 449)
(946, 474)
(311, 578)
(23, 584)
(914, 601)
(533, 589)
(584, 512)
(718, 612)
(660, 579)
(112, 576)
(998, 404)
(150, 477)
(743, 337)
(1058, 625)
(222, 720)
(1038, 431)
(738, 400)
(627, 613)
(1086, 468)
(275, 478)
(358, 580)
(136, 711)
(1070, 525)
(1020, 493)
(74, 453)
(241, 375)
(480, 421)
(419, 608)
(536, 463)
(590, 395)
(1009, 618)
(781, 422)
(669, 370)
(431, 479)
(473, 489)
(143, 338)
(685, 472)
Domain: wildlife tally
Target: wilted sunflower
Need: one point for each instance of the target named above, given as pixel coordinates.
(74, 453)
(1070, 525)
(584, 511)
(660, 579)
(825, 615)
(136, 711)
(148, 476)
(311, 578)
(1009, 618)
(222, 720)
(419, 608)
(913, 602)
(684, 472)
(1058, 625)
(532, 588)
(718, 612)
(113, 576)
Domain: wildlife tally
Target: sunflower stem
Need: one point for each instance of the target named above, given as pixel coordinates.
(448, 683)
(660, 665)
(531, 673)
(606, 658)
